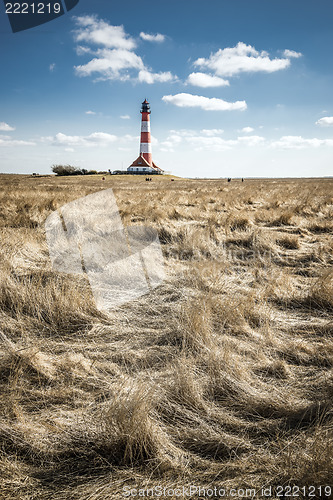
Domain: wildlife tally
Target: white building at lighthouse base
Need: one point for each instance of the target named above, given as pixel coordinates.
(141, 166)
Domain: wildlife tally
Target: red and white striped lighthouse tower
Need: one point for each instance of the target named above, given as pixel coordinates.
(145, 144)
(144, 163)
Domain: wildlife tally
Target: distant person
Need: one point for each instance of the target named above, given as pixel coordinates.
(242, 179)
(229, 179)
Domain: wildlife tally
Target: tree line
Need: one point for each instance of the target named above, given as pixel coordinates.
(71, 170)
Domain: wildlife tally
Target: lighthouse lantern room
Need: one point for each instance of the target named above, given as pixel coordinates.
(144, 163)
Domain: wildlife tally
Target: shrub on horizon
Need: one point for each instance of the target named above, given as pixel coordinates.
(66, 170)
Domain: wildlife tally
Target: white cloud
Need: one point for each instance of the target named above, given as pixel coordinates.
(212, 141)
(95, 139)
(204, 80)
(90, 113)
(240, 59)
(154, 140)
(292, 53)
(247, 130)
(4, 127)
(81, 50)
(7, 141)
(152, 38)
(125, 117)
(111, 64)
(146, 76)
(175, 138)
(167, 147)
(298, 142)
(184, 100)
(199, 141)
(115, 59)
(211, 131)
(69, 150)
(96, 31)
(251, 140)
(52, 67)
(326, 121)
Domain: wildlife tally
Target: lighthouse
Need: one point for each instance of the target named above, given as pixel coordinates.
(144, 163)
(145, 144)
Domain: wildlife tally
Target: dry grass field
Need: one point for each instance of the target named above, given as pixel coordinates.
(222, 376)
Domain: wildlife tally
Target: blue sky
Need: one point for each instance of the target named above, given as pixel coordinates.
(237, 88)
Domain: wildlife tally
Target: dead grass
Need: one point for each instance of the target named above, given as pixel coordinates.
(289, 242)
(221, 376)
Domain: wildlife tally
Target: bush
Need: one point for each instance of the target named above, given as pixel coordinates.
(66, 170)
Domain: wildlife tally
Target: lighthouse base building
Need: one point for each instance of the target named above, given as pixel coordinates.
(141, 166)
(144, 163)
